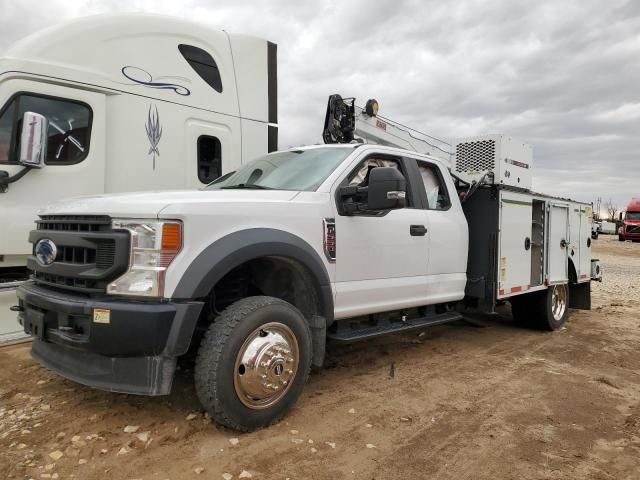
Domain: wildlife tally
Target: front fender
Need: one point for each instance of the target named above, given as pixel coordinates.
(231, 251)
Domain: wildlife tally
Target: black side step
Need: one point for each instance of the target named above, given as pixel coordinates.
(346, 334)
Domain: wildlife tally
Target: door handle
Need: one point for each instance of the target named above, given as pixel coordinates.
(417, 230)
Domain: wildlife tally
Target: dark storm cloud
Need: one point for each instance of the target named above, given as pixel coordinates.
(562, 75)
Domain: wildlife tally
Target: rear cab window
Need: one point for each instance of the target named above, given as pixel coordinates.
(435, 188)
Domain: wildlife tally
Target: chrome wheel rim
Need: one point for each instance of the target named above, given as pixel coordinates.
(559, 301)
(266, 365)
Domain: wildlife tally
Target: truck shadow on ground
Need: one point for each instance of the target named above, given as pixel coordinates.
(361, 358)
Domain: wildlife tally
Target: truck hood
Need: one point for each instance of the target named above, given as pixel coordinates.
(149, 204)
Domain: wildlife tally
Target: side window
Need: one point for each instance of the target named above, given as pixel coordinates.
(69, 128)
(6, 128)
(209, 158)
(435, 188)
(360, 175)
(203, 64)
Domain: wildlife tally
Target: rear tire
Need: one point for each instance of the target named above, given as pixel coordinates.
(544, 310)
(253, 363)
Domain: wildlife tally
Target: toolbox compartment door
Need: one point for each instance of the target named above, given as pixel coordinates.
(514, 263)
(558, 243)
(584, 244)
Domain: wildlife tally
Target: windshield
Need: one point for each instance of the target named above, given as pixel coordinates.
(632, 216)
(300, 170)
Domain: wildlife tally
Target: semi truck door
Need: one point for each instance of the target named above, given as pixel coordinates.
(74, 164)
(558, 243)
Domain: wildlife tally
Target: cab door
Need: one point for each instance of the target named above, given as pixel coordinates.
(381, 260)
(74, 164)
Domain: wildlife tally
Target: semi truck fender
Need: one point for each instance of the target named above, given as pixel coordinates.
(231, 251)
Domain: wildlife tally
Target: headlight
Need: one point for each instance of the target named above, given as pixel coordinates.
(154, 244)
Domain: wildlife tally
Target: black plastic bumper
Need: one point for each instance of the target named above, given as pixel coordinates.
(117, 345)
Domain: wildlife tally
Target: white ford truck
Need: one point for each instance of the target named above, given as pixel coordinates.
(260, 268)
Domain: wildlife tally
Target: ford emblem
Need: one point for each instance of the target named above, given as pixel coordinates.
(46, 252)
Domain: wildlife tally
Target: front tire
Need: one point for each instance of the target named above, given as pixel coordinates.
(253, 363)
(620, 238)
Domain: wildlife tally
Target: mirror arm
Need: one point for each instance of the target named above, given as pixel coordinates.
(5, 179)
(356, 194)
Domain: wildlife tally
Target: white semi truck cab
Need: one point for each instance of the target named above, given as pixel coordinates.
(124, 103)
(256, 271)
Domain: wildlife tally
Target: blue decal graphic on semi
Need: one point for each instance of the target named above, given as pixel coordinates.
(154, 133)
(142, 77)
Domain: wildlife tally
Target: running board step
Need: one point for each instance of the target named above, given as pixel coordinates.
(346, 334)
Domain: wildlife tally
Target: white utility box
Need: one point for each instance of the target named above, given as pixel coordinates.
(508, 158)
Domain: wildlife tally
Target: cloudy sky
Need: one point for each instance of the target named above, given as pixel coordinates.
(563, 75)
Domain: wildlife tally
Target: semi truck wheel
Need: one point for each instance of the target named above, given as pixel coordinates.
(544, 310)
(253, 363)
(620, 238)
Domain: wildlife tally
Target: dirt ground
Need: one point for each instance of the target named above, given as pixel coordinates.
(464, 403)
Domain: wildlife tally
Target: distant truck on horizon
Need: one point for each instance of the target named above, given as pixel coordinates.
(608, 228)
(630, 222)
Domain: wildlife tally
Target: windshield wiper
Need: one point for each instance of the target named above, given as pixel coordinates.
(250, 186)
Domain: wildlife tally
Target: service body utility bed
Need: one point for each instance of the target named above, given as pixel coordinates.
(523, 242)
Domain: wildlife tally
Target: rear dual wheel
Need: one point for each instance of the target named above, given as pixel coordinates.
(253, 363)
(545, 310)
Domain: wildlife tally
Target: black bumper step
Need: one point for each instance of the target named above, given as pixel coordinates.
(345, 333)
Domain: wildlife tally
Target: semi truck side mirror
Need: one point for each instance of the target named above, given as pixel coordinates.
(33, 140)
(387, 189)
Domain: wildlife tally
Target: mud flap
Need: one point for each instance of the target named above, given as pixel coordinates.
(319, 339)
(580, 295)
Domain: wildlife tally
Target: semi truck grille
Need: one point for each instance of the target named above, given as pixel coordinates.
(633, 229)
(89, 253)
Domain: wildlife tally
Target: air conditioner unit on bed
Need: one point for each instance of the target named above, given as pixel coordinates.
(509, 159)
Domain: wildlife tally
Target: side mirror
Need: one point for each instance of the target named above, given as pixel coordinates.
(387, 189)
(33, 140)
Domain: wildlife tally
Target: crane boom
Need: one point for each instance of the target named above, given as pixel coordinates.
(346, 122)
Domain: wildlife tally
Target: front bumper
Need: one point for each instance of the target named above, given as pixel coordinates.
(631, 235)
(132, 349)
